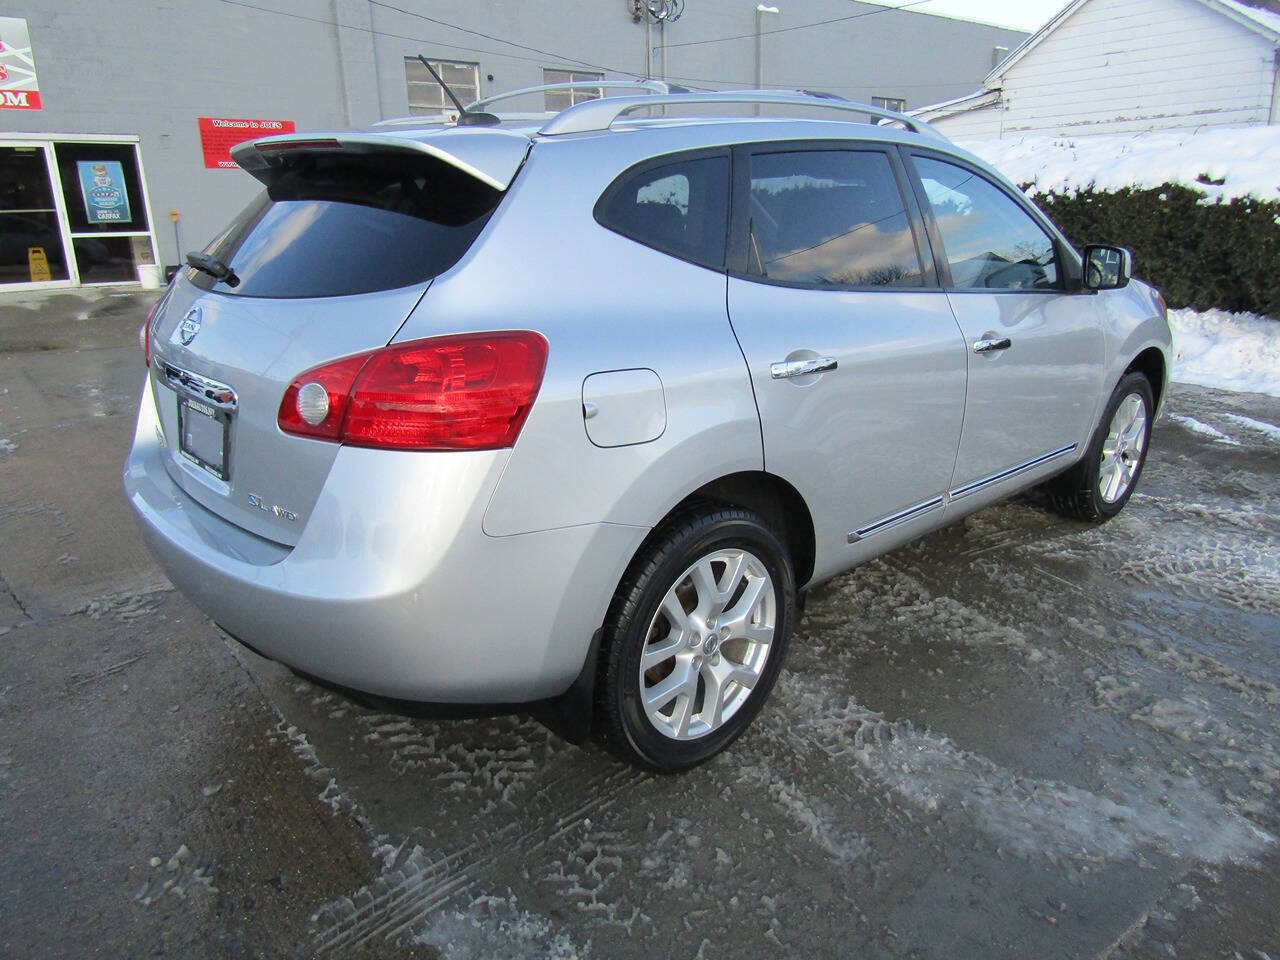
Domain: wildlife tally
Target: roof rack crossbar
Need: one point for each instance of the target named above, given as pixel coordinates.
(652, 86)
(601, 114)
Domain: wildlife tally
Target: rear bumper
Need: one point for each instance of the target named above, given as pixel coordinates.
(393, 588)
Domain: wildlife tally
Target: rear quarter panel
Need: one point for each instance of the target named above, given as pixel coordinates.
(604, 302)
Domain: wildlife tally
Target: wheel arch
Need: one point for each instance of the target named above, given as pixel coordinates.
(777, 502)
(1152, 364)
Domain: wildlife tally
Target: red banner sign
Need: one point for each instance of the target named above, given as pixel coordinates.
(19, 89)
(219, 134)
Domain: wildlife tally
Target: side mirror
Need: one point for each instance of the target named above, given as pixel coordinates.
(1106, 268)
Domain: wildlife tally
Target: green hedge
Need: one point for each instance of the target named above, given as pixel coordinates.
(1201, 255)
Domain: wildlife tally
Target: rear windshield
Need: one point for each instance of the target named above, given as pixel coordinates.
(331, 225)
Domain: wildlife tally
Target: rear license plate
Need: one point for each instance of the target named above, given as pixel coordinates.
(203, 431)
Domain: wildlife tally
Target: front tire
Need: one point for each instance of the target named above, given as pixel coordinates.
(1098, 487)
(695, 639)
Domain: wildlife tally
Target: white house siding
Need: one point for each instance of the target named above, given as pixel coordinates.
(980, 124)
(1129, 65)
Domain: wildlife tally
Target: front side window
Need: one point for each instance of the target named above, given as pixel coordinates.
(681, 208)
(557, 100)
(991, 242)
(426, 96)
(830, 218)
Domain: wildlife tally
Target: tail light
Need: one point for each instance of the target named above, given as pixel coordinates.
(465, 392)
(144, 334)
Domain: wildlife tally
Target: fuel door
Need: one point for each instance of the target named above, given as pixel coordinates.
(623, 407)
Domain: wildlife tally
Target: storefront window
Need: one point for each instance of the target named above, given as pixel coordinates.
(110, 234)
(74, 211)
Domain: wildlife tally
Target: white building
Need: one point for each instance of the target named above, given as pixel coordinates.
(1116, 66)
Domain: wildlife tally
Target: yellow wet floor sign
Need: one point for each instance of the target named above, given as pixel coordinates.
(38, 264)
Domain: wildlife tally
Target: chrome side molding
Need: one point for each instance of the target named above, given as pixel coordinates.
(934, 503)
(894, 519)
(977, 485)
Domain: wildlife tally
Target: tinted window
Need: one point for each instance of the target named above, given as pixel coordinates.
(830, 218)
(991, 242)
(680, 208)
(333, 225)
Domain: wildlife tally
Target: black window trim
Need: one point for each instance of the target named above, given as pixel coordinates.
(668, 160)
(1068, 260)
(737, 260)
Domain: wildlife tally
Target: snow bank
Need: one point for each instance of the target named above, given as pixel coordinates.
(1237, 161)
(1229, 351)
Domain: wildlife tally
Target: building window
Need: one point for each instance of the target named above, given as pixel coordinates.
(557, 100)
(425, 95)
(897, 104)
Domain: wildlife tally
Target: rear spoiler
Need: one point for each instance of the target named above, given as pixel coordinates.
(491, 156)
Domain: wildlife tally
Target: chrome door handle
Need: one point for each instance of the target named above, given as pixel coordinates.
(786, 369)
(986, 346)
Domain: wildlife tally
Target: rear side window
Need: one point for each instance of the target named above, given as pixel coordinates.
(331, 225)
(991, 242)
(680, 208)
(830, 218)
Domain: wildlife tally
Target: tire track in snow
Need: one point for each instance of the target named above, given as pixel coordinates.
(1143, 807)
(403, 897)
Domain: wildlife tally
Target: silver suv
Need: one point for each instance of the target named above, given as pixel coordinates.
(563, 416)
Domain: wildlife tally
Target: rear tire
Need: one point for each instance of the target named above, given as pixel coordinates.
(1098, 487)
(695, 639)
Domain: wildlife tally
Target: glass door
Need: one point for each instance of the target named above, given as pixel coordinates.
(31, 235)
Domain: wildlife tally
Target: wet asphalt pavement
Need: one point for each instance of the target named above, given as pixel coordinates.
(1020, 737)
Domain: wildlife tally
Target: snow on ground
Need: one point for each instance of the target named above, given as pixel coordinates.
(1238, 161)
(1140, 809)
(1227, 351)
(1270, 429)
(1197, 426)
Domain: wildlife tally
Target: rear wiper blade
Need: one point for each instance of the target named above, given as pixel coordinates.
(214, 268)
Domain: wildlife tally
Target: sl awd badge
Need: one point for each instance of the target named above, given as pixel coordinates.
(260, 504)
(190, 325)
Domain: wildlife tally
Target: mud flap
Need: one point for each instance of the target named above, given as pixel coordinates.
(569, 715)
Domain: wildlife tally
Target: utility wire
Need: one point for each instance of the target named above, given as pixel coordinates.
(800, 26)
(511, 56)
(437, 43)
(807, 84)
(487, 36)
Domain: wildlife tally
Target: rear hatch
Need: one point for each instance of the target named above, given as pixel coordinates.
(328, 262)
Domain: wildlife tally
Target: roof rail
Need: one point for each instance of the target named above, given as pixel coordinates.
(601, 114)
(652, 86)
(448, 117)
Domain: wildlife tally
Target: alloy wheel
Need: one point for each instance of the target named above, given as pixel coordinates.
(707, 644)
(1123, 449)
